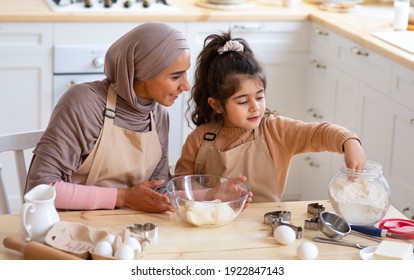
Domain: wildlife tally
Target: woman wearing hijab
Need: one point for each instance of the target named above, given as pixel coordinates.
(106, 144)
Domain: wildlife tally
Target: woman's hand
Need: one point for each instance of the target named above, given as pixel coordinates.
(354, 155)
(142, 197)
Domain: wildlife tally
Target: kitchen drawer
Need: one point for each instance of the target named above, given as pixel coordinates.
(403, 85)
(265, 38)
(320, 98)
(321, 38)
(363, 64)
(25, 39)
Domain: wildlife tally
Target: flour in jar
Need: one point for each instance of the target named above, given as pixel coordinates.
(360, 201)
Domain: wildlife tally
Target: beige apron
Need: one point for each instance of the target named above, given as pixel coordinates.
(120, 157)
(251, 159)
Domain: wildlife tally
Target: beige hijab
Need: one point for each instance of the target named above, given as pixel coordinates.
(77, 119)
(153, 47)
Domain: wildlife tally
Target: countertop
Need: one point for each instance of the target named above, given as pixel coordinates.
(245, 238)
(356, 26)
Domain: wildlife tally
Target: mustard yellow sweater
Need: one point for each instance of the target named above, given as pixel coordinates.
(285, 138)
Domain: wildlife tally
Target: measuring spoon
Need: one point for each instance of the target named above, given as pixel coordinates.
(338, 242)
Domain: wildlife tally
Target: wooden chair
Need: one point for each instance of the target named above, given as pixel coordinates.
(16, 143)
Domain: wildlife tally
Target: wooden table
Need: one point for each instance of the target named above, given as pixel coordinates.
(246, 238)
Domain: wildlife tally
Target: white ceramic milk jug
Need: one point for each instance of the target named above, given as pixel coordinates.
(38, 213)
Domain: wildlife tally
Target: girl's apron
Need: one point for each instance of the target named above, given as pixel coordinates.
(251, 159)
(120, 157)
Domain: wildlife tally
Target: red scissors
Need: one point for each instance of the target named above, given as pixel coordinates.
(398, 226)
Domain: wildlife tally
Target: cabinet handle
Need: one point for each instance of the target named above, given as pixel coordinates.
(315, 115)
(318, 65)
(321, 32)
(71, 83)
(358, 51)
(312, 164)
(412, 121)
(249, 26)
(408, 213)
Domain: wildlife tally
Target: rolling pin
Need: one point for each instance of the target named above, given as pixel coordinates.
(37, 251)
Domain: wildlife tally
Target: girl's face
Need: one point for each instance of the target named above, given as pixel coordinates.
(169, 84)
(246, 107)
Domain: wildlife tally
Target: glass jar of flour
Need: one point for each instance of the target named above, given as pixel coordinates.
(360, 197)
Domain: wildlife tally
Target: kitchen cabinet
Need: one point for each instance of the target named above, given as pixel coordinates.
(25, 75)
(25, 86)
(365, 111)
(369, 95)
(283, 49)
(400, 153)
(362, 81)
(315, 167)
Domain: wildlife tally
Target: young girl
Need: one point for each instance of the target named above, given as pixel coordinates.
(237, 136)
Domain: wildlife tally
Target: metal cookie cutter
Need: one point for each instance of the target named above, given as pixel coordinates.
(315, 208)
(148, 230)
(278, 218)
(313, 224)
(283, 216)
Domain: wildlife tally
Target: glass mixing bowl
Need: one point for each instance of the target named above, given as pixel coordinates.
(360, 197)
(206, 200)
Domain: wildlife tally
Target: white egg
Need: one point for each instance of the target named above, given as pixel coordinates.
(110, 238)
(103, 248)
(284, 235)
(307, 251)
(124, 252)
(134, 243)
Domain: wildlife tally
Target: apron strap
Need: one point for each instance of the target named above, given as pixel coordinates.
(110, 114)
(207, 143)
(205, 146)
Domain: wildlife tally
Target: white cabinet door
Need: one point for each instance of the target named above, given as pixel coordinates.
(320, 103)
(401, 157)
(361, 84)
(375, 123)
(25, 87)
(25, 75)
(363, 64)
(401, 151)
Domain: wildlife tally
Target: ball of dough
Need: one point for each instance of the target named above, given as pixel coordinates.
(224, 214)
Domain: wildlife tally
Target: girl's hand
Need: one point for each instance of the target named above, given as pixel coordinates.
(243, 179)
(354, 155)
(142, 197)
(230, 191)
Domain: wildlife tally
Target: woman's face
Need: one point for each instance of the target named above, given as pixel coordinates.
(169, 84)
(246, 107)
